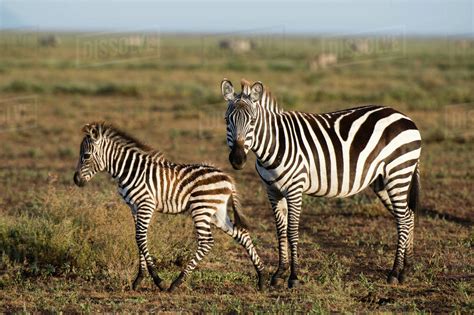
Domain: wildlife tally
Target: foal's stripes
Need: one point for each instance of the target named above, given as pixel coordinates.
(147, 181)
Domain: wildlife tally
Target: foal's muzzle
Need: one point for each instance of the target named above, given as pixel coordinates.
(78, 180)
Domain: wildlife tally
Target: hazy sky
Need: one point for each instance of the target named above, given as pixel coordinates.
(448, 17)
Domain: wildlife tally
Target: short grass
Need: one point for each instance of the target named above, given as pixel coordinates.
(68, 249)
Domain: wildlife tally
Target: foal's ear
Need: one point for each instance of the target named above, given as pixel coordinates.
(256, 91)
(227, 90)
(91, 130)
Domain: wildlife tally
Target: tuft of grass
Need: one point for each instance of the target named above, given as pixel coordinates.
(281, 66)
(75, 88)
(115, 89)
(58, 234)
(23, 86)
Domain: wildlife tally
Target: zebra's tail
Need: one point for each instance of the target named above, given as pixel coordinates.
(239, 219)
(414, 197)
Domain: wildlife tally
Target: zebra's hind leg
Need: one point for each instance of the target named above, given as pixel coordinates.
(242, 236)
(405, 223)
(202, 222)
(280, 213)
(408, 260)
(395, 198)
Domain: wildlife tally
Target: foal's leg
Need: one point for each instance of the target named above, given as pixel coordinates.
(221, 220)
(141, 262)
(144, 214)
(202, 222)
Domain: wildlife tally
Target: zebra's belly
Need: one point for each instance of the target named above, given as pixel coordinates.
(322, 184)
(318, 193)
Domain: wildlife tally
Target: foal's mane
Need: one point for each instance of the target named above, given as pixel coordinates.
(118, 135)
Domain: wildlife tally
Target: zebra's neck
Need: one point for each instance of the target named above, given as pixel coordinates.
(266, 125)
(121, 159)
(269, 104)
(266, 144)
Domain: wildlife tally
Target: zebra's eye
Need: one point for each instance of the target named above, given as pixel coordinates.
(87, 156)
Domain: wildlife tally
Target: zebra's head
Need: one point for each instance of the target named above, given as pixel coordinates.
(90, 159)
(240, 118)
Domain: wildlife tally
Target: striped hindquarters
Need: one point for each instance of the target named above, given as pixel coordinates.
(176, 186)
(343, 152)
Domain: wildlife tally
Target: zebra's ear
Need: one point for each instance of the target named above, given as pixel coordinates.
(256, 91)
(91, 130)
(227, 90)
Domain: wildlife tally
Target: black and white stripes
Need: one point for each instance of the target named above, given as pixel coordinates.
(148, 182)
(328, 155)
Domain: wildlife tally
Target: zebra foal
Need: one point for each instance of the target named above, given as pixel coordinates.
(148, 182)
(335, 154)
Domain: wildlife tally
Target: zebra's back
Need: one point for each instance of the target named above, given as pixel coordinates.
(175, 186)
(340, 153)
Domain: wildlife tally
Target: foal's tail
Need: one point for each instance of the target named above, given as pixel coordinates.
(239, 219)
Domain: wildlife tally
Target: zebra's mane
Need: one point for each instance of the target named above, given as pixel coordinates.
(267, 101)
(118, 135)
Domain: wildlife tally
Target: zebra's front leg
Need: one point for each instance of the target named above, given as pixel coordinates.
(144, 214)
(141, 272)
(202, 223)
(279, 207)
(294, 200)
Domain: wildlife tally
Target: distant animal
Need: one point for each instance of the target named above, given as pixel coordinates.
(360, 46)
(49, 41)
(237, 45)
(335, 154)
(322, 61)
(147, 181)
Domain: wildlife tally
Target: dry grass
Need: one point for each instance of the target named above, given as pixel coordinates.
(67, 249)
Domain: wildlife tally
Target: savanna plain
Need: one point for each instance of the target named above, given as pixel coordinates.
(68, 249)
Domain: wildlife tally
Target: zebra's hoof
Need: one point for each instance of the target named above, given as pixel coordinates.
(135, 284)
(293, 283)
(159, 283)
(261, 279)
(137, 281)
(176, 283)
(172, 288)
(277, 281)
(406, 271)
(401, 277)
(392, 280)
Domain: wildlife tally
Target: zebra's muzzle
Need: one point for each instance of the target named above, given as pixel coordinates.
(78, 180)
(237, 157)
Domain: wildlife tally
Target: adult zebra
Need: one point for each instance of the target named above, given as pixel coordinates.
(328, 155)
(148, 182)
